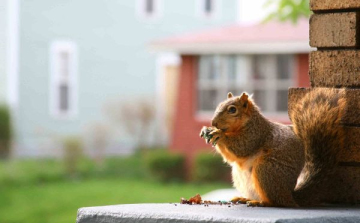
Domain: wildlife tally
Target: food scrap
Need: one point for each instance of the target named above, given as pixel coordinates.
(198, 200)
(193, 200)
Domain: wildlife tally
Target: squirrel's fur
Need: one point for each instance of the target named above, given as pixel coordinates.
(267, 158)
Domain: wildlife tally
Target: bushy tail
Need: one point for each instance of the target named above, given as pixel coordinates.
(317, 123)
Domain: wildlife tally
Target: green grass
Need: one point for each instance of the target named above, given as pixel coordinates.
(45, 191)
(59, 201)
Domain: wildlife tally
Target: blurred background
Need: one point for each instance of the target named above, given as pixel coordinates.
(102, 101)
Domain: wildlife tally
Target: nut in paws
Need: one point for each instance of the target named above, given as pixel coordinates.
(205, 133)
(211, 135)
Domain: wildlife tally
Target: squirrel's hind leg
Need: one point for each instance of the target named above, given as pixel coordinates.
(274, 186)
(248, 202)
(254, 203)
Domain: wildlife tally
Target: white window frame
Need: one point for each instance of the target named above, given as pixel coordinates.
(58, 47)
(200, 9)
(13, 48)
(220, 83)
(245, 82)
(157, 10)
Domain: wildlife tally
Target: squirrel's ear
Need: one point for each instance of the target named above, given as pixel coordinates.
(244, 99)
(230, 95)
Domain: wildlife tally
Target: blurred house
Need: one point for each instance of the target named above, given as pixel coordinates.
(63, 61)
(263, 59)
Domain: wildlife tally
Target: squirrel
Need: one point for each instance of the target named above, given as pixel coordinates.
(275, 164)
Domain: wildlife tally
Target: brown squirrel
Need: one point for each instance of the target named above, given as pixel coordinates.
(274, 164)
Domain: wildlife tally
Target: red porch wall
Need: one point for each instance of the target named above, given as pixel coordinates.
(303, 79)
(185, 135)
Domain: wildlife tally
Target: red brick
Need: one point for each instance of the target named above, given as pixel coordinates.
(318, 5)
(344, 185)
(351, 153)
(185, 137)
(335, 68)
(302, 77)
(352, 111)
(334, 30)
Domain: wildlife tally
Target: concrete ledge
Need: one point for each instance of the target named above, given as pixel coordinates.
(199, 213)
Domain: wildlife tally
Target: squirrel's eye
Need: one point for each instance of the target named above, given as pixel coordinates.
(232, 110)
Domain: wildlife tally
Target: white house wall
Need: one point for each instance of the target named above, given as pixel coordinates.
(113, 61)
(12, 52)
(3, 42)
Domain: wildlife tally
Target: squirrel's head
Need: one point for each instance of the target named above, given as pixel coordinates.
(233, 113)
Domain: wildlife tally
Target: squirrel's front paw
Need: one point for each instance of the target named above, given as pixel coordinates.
(204, 133)
(211, 134)
(215, 135)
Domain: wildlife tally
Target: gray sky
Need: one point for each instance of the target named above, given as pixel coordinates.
(252, 11)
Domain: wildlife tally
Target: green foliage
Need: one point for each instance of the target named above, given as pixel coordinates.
(165, 166)
(287, 10)
(26, 172)
(5, 132)
(41, 171)
(125, 167)
(73, 153)
(210, 168)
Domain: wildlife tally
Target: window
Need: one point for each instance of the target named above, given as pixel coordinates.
(270, 80)
(209, 4)
(63, 86)
(149, 9)
(216, 78)
(267, 77)
(208, 8)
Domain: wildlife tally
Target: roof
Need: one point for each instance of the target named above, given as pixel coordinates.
(259, 38)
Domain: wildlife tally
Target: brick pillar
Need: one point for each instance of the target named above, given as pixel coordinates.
(335, 32)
